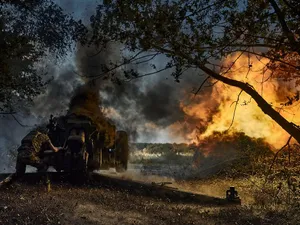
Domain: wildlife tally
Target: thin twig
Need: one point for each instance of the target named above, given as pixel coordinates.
(148, 74)
(22, 125)
(275, 157)
(203, 82)
(98, 52)
(276, 154)
(236, 103)
(95, 77)
(147, 60)
(7, 113)
(233, 63)
(212, 84)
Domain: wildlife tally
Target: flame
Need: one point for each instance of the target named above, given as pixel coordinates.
(215, 113)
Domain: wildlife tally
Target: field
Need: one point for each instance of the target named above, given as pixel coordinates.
(268, 197)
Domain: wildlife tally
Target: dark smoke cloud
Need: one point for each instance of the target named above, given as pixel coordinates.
(56, 98)
(160, 105)
(142, 106)
(154, 100)
(92, 62)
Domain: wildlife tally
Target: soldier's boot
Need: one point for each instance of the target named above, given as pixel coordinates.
(48, 182)
(45, 177)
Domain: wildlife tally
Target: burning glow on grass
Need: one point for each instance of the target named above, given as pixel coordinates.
(249, 118)
(144, 154)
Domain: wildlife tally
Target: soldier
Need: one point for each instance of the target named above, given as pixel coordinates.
(55, 130)
(32, 145)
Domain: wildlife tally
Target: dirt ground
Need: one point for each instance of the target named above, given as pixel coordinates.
(24, 203)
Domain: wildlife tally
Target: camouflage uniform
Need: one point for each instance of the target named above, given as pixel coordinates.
(31, 146)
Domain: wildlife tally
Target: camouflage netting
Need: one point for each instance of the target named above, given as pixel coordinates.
(86, 103)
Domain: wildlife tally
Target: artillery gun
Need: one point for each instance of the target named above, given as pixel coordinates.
(87, 146)
(90, 141)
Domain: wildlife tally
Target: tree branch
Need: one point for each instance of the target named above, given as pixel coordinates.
(114, 67)
(147, 60)
(203, 82)
(284, 26)
(265, 56)
(275, 157)
(149, 74)
(294, 9)
(236, 103)
(22, 125)
(7, 113)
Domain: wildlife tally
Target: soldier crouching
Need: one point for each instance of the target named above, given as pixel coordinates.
(32, 146)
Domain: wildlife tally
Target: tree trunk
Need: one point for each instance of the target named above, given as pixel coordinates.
(285, 29)
(261, 102)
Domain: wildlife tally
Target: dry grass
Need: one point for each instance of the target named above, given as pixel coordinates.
(269, 187)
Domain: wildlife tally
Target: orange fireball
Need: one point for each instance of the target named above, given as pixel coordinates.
(235, 111)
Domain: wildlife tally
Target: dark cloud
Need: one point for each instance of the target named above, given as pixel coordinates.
(153, 100)
(160, 104)
(56, 98)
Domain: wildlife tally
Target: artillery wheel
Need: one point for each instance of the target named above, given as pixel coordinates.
(20, 168)
(122, 151)
(80, 175)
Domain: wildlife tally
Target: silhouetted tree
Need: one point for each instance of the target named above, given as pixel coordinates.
(29, 30)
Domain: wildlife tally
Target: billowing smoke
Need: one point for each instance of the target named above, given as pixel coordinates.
(58, 93)
(146, 108)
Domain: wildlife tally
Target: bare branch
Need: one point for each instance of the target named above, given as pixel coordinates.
(8, 180)
(113, 68)
(147, 60)
(229, 68)
(284, 26)
(276, 155)
(78, 73)
(22, 125)
(132, 59)
(265, 56)
(7, 113)
(149, 74)
(203, 82)
(236, 103)
(212, 84)
(97, 53)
